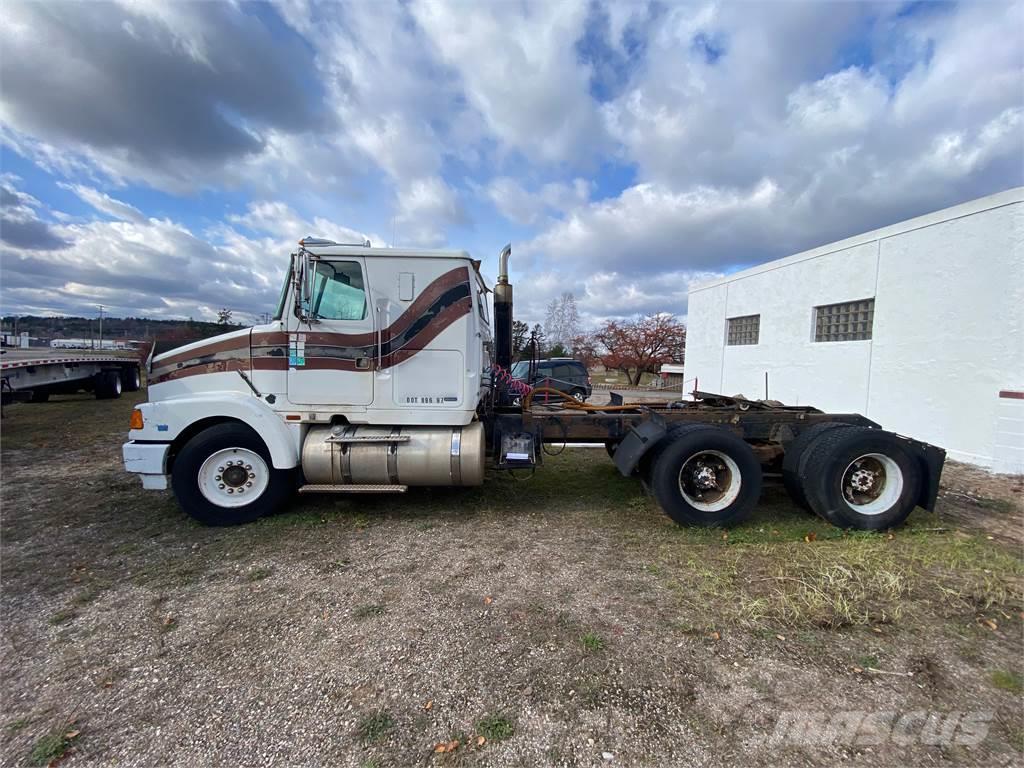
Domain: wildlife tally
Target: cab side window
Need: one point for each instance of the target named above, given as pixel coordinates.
(338, 291)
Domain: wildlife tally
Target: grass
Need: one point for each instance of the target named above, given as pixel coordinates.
(368, 611)
(258, 574)
(62, 616)
(50, 747)
(495, 727)
(1007, 681)
(592, 642)
(375, 726)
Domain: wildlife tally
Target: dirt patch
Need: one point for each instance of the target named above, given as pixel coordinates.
(564, 619)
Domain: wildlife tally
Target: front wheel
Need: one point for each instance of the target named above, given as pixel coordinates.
(579, 395)
(224, 476)
(706, 476)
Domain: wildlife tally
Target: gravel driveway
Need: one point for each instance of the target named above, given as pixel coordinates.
(557, 620)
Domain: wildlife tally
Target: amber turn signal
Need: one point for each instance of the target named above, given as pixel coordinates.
(136, 420)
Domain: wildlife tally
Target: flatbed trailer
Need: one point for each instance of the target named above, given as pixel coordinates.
(35, 374)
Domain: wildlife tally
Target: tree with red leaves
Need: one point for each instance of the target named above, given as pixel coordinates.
(641, 346)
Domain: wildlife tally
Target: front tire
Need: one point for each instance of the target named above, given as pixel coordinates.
(861, 478)
(579, 395)
(706, 476)
(224, 476)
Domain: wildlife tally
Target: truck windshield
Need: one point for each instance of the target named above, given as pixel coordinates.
(521, 369)
(284, 294)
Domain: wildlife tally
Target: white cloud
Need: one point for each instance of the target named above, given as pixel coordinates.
(518, 67)
(426, 206)
(104, 203)
(527, 208)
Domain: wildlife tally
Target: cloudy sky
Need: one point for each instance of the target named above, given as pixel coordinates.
(162, 158)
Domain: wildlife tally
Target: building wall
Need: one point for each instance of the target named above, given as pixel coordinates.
(947, 337)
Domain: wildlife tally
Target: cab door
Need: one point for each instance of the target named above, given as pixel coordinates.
(331, 354)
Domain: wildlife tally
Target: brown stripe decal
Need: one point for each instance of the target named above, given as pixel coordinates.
(441, 303)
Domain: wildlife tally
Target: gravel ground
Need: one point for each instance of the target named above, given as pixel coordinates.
(562, 619)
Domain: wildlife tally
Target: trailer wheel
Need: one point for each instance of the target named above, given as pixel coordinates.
(706, 476)
(107, 385)
(861, 478)
(796, 454)
(131, 378)
(224, 476)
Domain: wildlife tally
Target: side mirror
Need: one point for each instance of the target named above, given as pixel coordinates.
(303, 271)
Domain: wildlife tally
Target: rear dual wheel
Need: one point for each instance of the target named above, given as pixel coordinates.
(796, 457)
(703, 475)
(862, 478)
(107, 385)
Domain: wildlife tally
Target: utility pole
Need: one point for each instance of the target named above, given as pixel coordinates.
(101, 325)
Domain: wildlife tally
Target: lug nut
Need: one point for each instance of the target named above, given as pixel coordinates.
(252, 475)
(248, 485)
(221, 469)
(221, 486)
(217, 477)
(248, 467)
(231, 490)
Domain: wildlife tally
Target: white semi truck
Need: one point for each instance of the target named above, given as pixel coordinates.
(383, 369)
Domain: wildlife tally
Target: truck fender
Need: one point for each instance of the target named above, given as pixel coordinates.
(640, 439)
(166, 420)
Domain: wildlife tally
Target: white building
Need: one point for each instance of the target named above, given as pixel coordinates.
(918, 326)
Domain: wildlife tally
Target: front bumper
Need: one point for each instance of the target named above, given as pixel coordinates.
(148, 460)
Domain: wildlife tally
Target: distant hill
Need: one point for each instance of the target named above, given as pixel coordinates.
(140, 328)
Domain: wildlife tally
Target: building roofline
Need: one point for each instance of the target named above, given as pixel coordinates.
(989, 202)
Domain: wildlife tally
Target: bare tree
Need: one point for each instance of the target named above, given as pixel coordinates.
(562, 321)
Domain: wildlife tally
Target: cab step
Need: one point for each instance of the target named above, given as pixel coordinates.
(368, 439)
(328, 488)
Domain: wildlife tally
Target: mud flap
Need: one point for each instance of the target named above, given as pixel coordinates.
(640, 439)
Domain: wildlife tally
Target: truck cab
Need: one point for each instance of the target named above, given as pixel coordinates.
(381, 347)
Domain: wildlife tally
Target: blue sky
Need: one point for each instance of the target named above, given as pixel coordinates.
(163, 157)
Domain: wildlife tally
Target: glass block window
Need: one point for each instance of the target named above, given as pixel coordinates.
(743, 330)
(849, 321)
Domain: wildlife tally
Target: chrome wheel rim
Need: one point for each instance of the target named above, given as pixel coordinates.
(872, 484)
(233, 477)
(710, 481)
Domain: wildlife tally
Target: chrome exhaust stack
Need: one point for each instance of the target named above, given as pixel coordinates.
(503, 312)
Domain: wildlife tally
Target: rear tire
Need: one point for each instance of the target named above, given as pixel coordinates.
(861, 478)
(706, 476)
(205, 489)
(131, 378)
(796, 454)
(108, 385)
